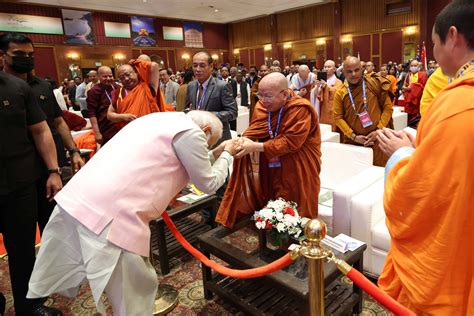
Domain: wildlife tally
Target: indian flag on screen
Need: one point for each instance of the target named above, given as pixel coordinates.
(10, 22)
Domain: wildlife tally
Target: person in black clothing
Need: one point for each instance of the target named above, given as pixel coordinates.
(72, 93)
(22, 127)
(17, 47)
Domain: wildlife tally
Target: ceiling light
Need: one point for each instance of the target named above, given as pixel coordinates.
(216, 10)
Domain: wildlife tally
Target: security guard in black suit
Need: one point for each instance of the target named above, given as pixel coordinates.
(22, 128)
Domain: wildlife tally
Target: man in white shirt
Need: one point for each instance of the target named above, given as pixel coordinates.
(243, 91)
(302, 83)
(168, 87)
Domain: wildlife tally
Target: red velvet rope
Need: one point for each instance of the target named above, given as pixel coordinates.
(380, 296)
(234, 273)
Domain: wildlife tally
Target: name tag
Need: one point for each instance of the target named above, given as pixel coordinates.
(365, 119)
(42, 97)
(274, 163)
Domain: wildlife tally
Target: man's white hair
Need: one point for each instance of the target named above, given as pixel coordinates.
(202, 118)
(303, 68)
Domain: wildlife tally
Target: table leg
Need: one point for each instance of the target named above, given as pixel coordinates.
(359, 265)
(214, 209)
(162, 250)
(206, 276)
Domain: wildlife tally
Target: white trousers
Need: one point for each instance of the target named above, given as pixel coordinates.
(70, 254)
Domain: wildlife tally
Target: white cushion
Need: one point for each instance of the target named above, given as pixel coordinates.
(88, 124)
(242, 121)
(380, 236)
(398, 109)
(378, 260)
(325, 128)
(75, 134)
(400, 120)
(331, 137)
(325, 214)
(343, 194)
(341, 161)
(366, 211)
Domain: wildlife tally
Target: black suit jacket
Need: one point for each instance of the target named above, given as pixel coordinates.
(233, 84)
(218, 99)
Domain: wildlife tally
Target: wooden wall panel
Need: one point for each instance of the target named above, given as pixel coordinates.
(434, 8)
(306, 49)
(253, 32)
(392, 47)
(259, 57)
(370, 15)
(244, 56)
(361, 46)
(46, 67)
(330, 49)
(306, 23)
(376, 44)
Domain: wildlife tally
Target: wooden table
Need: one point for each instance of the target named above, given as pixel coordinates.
(163, 244)
(284, 292)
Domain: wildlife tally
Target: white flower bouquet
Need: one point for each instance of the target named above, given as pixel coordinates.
(281, 219)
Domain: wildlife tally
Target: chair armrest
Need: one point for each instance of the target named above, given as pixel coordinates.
(344, 193)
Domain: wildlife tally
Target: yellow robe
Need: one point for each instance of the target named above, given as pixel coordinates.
(429, 204)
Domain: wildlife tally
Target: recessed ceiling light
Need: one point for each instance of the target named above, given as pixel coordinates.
(216, 10)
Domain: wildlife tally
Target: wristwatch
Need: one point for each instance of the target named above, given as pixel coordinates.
(74, 150)
(55, 170)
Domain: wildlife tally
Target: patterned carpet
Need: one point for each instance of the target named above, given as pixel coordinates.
(185, 276)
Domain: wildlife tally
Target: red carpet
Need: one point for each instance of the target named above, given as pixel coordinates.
(2, 247)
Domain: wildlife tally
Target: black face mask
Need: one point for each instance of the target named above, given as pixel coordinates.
(252, 73)
(23, 64)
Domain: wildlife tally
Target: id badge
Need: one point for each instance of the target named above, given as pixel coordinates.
(365, 119)
(274, 162)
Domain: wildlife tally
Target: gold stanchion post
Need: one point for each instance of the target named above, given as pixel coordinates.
(315, 231)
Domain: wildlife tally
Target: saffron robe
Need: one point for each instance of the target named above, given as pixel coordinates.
(298, 147)
(379, 107)
(142, 99)
(326, 101)
(429, 204)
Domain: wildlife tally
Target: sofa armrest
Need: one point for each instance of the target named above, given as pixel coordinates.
(367, 210)
(344, 193)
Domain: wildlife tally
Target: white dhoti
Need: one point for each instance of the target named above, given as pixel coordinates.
(70, 253)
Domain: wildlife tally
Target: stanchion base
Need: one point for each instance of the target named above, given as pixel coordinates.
(166, 301)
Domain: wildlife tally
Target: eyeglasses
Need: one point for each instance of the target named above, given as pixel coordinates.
(268, 97)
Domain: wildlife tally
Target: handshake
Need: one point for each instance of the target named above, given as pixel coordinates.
(238, 147)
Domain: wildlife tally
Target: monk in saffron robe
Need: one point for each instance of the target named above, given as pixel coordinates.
(412, 91)
(138, 94)
(326, 98)
(429, 189)
(280, 160)
(436, 82)
(351, 117)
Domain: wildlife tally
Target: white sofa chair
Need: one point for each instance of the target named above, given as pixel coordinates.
(346, 170)
(243, 119)
(368, 225)
(400, 120)
(327, 135)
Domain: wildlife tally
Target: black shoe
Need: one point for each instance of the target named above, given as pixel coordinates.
(2, 304)
(42, 310)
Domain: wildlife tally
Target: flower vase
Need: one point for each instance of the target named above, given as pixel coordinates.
(278, 240)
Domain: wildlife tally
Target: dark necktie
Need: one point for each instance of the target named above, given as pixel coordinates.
(199, 96)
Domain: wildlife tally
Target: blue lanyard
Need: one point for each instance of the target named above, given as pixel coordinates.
(464, 68)
(108, 95)
(352, 99)
(202, 97)
(270, 131)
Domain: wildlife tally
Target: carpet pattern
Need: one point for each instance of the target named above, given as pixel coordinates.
(185, 276)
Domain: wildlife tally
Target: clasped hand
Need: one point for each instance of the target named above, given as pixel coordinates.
(390, 141)
(239, 147)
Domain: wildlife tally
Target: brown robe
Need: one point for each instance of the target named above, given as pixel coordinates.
(253, 97)
(379, 107)
(298, 146)
(326, 99)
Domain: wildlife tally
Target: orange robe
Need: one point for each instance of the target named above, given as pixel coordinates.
(141, 100)
(379, 107)
(253, 97)
(429, 203)
(298, 146)
(326, 99)
(393, 82)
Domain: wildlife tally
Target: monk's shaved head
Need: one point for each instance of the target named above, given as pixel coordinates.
(144, 57)
(352, 69)
(105, 75)
(127, 76)
(273, 91)
(275, 81)
(330, 67)
(125, 67)
(104, 69)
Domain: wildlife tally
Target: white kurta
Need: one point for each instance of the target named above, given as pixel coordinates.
(71, 254)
